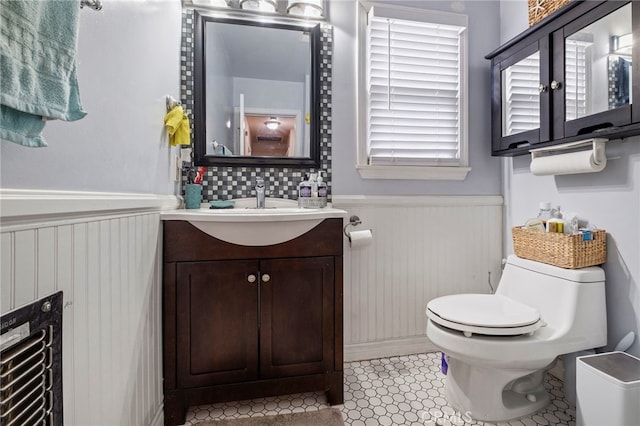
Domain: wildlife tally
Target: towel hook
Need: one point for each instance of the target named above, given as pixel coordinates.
(93, 4)
(171, 103)
(353, 221)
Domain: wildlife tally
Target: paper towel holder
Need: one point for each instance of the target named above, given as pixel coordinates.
(597, 144)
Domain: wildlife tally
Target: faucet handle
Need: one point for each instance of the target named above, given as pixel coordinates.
(259, 182)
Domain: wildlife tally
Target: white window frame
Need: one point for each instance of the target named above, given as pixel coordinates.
(418, 172)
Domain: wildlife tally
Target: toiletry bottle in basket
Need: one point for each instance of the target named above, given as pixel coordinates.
(545, 212)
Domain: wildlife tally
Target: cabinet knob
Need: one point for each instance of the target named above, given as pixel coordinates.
(555, 85)
(542, 88)
(266, 278)
(251, 278)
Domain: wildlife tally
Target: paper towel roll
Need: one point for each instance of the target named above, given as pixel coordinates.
(566, 164)
(361, 238)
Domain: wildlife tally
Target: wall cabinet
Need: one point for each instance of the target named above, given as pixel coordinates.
(568, 78)
(244, 322)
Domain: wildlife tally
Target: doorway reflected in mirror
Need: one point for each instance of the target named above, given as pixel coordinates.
(270, 136)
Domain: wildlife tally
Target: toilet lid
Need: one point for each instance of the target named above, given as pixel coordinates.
(490, 314)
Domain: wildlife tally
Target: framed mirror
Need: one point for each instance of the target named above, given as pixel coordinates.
(256, 93)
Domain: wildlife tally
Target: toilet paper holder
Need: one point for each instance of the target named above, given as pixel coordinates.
(597, 144)
(353, 221)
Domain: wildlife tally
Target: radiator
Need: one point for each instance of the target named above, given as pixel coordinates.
(31, 364)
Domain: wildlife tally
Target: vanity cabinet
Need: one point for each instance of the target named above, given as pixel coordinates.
(242, 322)
(567, 78)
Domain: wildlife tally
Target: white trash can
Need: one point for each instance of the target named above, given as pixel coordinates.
(608, 390)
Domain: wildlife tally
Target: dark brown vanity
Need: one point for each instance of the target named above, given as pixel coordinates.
(243, 322)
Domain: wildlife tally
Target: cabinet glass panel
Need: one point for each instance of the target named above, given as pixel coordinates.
(598, 66)
(521, 96)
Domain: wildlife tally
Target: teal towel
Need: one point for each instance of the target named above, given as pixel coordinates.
(37, 67)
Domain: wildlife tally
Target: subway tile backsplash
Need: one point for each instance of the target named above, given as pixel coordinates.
(225, 182)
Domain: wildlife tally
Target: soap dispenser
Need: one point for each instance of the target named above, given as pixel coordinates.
(322, 191)
(322, 186)
(314, 185)
(304, 192)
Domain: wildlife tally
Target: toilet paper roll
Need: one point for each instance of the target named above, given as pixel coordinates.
(566, 164)
(361, 238)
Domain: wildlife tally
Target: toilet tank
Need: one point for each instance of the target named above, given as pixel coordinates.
(570, 301)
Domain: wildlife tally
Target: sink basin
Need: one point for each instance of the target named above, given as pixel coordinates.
(280, 221)
(270, 203)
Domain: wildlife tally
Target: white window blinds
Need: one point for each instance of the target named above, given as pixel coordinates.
(521, 96)
(576, 78)
(415, 89)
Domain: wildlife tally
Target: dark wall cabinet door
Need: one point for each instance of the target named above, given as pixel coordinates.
(592, 61)
(568, 78)
(521, 103)
(296, 316)
(217, 322)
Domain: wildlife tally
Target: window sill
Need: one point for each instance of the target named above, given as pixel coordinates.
(413, 172)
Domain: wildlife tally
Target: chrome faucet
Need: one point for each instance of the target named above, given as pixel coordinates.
(260, 191)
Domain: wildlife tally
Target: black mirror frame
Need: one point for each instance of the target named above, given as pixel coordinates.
(200, 156)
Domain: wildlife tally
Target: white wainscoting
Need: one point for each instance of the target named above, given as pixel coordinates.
(423, 247)
(104, 252)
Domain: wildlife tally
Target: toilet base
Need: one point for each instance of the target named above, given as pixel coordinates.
(492, 394)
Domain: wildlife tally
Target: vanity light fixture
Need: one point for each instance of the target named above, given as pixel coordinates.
(622, 44)
(272, 123)
(305, 8)
(214, 3)
(261, 5)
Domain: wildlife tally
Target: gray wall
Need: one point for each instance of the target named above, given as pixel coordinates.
(610, 199)
(484, 36)
(128, 60)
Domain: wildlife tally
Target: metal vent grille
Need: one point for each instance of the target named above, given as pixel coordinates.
(31, 364)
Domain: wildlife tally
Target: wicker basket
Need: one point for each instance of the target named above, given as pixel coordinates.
(540, 9)
(565, 251)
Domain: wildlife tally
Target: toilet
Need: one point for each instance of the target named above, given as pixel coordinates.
(499, 346)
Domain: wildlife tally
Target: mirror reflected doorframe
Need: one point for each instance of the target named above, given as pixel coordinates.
(201, 158)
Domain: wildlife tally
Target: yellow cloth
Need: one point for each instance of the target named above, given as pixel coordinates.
(177, 124)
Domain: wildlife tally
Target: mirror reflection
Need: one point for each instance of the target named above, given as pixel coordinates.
(598, 66)
(255, 93)
(521, 96)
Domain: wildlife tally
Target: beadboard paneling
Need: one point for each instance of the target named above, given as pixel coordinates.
(423, 247)
(108, 266)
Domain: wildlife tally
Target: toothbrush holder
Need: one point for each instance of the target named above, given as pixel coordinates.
(192, 195)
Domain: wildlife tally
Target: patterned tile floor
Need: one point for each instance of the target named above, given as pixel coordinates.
(405, 390)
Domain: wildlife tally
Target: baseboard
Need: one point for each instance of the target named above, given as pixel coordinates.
(558, 370)
(388, 348)
(158, 419)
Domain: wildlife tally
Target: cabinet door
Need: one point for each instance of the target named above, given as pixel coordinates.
(521, 101)
(217, 322)
(296, 316)
(592, 71)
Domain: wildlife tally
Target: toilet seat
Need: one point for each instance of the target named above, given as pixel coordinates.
(488, 314)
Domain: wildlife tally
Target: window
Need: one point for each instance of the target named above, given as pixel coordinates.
(413, 109)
